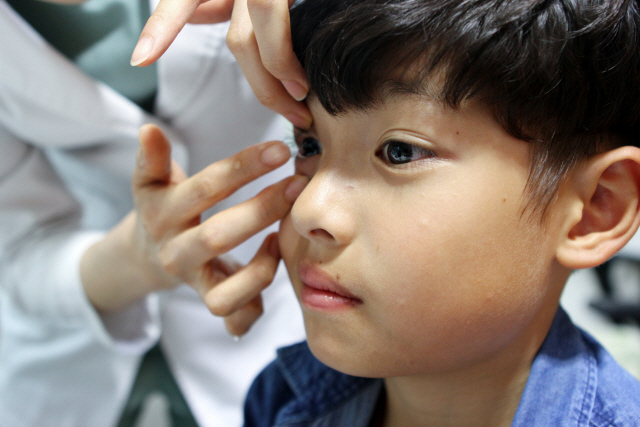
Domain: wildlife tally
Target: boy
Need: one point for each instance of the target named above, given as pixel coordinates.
(465, 157)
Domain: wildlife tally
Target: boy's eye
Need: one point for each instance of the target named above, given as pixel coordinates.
(398, 152)
(309, 146)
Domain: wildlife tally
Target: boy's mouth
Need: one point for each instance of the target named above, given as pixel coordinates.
(321, 292)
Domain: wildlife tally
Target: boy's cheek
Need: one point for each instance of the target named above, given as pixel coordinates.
(287, 240)
(291, 250)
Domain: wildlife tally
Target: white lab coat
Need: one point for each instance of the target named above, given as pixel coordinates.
(67, 150)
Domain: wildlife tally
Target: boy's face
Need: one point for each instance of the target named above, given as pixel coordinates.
(408, 249)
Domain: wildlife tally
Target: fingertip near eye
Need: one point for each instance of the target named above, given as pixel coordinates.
(295, 89)
(295, 187)
(300, 120)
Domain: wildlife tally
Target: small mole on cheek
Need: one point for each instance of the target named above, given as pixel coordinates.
(338, 277)
(378, 249)
(504, 200)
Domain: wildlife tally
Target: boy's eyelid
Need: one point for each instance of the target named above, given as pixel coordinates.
(442, 151)
(301, 133)
(407, 137)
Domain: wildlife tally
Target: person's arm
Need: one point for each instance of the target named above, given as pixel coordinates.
(52, 262)
(259, 37)
(41, 243)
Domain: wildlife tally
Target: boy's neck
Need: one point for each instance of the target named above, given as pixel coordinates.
(486, 394)
(477, 404)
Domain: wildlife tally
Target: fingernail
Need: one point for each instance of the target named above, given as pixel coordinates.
(274, 247)
(295, 89)
(142, 50)
(275, 155)
(295, 187)
(298, 120)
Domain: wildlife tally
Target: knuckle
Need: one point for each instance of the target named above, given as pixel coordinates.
(274, 63)
(204, 188)
(261, 5)
(261, 274)
(233, 42)
(266, 211)
(219, 306)
(213, 239)
(268, 98)
(237, 41)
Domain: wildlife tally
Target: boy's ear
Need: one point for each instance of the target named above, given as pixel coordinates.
(603, 208)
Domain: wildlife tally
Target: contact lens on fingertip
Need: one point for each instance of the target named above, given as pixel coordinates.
(236, 338)
(293, 147)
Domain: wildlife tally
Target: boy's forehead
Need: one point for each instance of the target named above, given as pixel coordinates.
(398, 97)
(388, 94)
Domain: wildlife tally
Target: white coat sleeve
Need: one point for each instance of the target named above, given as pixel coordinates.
(43, 226)
(41, 244)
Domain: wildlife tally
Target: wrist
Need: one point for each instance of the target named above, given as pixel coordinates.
(116, 272)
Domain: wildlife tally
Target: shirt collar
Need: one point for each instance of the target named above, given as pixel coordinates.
(322, 393)
(562, 381)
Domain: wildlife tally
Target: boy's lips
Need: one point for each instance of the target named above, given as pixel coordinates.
(321, 292)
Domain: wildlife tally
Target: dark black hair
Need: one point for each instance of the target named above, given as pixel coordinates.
(561, 74)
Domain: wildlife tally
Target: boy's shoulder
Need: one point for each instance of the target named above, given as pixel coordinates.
(297, 389)
(617, 399)
(575, 381)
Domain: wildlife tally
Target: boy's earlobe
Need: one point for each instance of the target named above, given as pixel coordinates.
(603, 208)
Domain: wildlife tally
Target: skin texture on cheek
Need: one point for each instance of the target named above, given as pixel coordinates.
(423, 312)
(449, 271)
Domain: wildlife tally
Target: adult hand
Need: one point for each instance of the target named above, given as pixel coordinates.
(259, 36)
(168, 19)
(172, 245)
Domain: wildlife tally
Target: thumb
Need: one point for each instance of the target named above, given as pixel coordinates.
(154, 157)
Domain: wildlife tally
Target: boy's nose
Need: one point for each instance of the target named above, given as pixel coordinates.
(324, 210)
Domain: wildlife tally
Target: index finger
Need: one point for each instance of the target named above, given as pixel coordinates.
(219, 180)
(168, 19)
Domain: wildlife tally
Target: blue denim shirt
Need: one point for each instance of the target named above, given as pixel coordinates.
(573, 382)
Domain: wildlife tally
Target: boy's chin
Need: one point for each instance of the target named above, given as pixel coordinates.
(346, 358)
